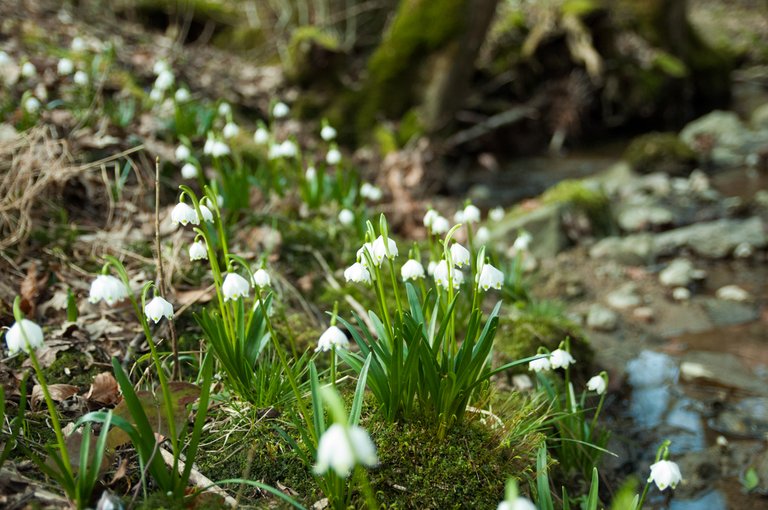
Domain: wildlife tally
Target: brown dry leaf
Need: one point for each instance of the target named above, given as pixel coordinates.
(122, 472)
(31, 289)
(59, 392)
(74, 444)
(46, 355)
(189, 297)
(104, 390)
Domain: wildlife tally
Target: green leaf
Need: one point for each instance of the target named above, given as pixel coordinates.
(751, 479)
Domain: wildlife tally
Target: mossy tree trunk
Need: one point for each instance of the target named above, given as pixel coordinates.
(424, 61)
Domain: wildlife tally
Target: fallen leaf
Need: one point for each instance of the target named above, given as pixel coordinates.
(189, 297)
(104, 390)
(59, 392)
(46, 355)
(30, 290)
(74, 444)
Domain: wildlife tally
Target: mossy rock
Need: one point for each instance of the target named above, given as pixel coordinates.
(585, 197)
(313, 54)
(69, 368)
(660, 152)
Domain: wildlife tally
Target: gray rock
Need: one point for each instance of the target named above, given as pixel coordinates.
(729, 313)
(624, 297)
(632, 250)
(641, 217)
(677, 274)
(601, 318)
(732, 293)
(721, 368)
(759, 118)
(714, 239)
(545, 226)
(732, 141)
(746, 418)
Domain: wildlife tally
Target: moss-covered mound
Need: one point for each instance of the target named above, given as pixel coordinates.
(660, 152)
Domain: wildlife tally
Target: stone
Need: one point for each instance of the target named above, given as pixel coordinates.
(729, 313)
(624, 297)
(681, 294)
(714, 239)
(677, 273)
(747, 418)
(632, 250)
(721, 368)
(730, 140)
(545, 225)
(732, 293)
(601, 318)
(644, 314)
(636, 218)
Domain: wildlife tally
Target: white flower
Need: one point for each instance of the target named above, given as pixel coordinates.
(561, 359)
(328, 133)
(261, 278)
(665, 473)
(235, 286)
(65, 67)
(160, 66)
(522, 243)
(182, 95)
(429, 217)
(490, 277)
(32, 104)
(208, 147)
(310, 174)
(183, 214)
(380, 251)
(108, 288)
(346, 217)
(431, 267)
(496, 214)
(157, 309)
(261, 136)
(5, 59)
(15, 340)
(357, 273)
(369, 191)
(333, 157)
(183, 153)
(197, 251)
(441, 273)
(219, 149)
(224, 109)
(77, 44)
(81, 78)
(343, 447)
(230, 130)
(471, 214)
(164, 80)
(440, 225)
(540, 365)
(458, 216)
(280, 110)
(189, 171)
(412, 270)
(597, 384)
(516, 504)
(483, 235)
(332, 337)
(459, 255)
(205, 214)
(156, 95)
(287, 149)
(28, 70)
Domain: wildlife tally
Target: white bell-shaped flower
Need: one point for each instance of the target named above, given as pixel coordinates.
(471, 214)
(261, 136)
(371, 192)
(458, 216)
(412, 270)
(65, 67)
(198, 251)
(107, 288)
(261, 278)
(157, 309)
(32, 104)
(540, 365)
(15, 336)
(219, 149)
(183, 213)
(182, 95)
(288, 149)
(234, 287)
(380, 251)
(328, 133)
(429, 218)
(665, 473)
(346, 217)
(333, 156)
(357, 273)
(522, 243)
(206, 214)
(597, 384)
(440, 225)
(367, 247)
(160, 66)
(332, 337)
(310, 174)
(483, 235)
(496, 214)
(164, 80)
(561, 359)
(343, 447)
(490, 277)
(224, 109)
(442, 272)
(518, 503)
(230, 130)
(431, 267)
(280, 110)
(459, 255)
(77, 45)
(81, 78)
(183, 153)
(28, 70)
(189, 171)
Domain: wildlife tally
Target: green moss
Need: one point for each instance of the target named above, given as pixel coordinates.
(69, 368)
(660, 152)
(240, 38)
(308, 47)
(580, 7)
(586, 198)
(385, 139)
(410, 127)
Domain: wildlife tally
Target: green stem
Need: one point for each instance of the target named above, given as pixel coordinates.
(395, 287)
(365, 487)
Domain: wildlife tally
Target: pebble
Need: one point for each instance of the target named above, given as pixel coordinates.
(624, 297)
(732, 293)
(644, 314)
(601, 318)
(681, 294)
(677, 274)
(743, 251)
